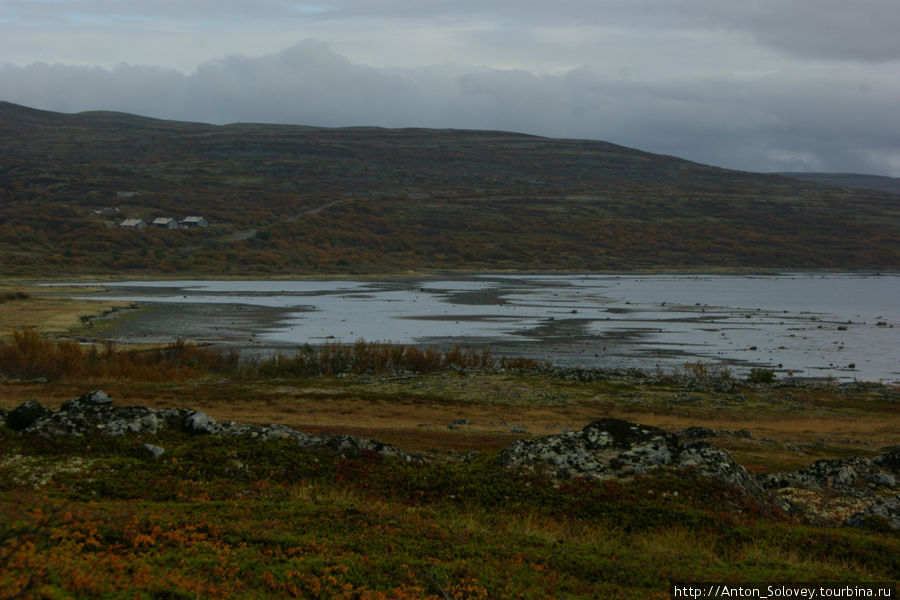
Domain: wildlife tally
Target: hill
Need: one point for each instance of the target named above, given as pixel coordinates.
(880, 183)
(300, 200)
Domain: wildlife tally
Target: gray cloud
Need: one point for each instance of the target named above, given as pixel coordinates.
(807, 118)
(863, 30)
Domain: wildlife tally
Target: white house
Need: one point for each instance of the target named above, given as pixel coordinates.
(194, 222)
(133, 223)
(165, 222)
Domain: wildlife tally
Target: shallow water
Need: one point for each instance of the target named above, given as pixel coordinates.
(812, 325)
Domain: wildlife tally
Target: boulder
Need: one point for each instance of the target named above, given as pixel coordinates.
(95, 413)
(201, 423)
(710, 461)
(153, 450)
(853, 476)
(695, 433)
(883, 514)
(91, 399)
(830, 492)
(615, 448)
(890, 460)
(605, 448)
(25, 414)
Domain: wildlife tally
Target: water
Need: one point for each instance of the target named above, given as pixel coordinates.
(812, 325)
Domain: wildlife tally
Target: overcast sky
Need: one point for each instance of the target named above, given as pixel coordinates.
(761, 85)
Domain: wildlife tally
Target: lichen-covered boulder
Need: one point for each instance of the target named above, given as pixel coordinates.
(94, 413)
(710, 461)
(610, 448)
(605, 448)
(883, 514)
(25, 414)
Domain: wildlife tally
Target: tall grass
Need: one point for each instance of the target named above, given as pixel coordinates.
(28, 356)
(374, 358)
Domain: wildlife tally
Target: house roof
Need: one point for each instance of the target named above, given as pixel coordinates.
(191, 219)
(162, 220)
(131, 222)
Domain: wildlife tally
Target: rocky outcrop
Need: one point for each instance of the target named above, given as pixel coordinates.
(830, 492)
(94, 413)
(881, 515)
(852, 476)
(853, 491)
(610, 448)
(710, 461)
(25, 414)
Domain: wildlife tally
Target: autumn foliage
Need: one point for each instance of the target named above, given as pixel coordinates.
(28, 356)
(292, 200)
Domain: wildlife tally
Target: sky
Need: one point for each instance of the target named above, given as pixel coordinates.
(755, 85)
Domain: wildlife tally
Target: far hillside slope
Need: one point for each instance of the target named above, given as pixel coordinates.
(880, 183)
(293, 200)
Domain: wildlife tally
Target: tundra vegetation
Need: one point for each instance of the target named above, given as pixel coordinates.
(100, 516)
(180, 514)
(286, 200)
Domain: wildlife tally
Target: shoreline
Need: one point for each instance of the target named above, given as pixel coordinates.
(509, 316)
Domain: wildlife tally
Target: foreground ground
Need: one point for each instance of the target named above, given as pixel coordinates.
(101, 518)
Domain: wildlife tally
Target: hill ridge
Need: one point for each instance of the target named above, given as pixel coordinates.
(397, 199)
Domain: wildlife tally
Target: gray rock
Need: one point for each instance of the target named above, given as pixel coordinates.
(603, 447)
(200, 423)
(890, 460)
(714, 462)
(886, 513)
(25, 414)
(695, 433)
(94, 413)
(887, 480)
(94, 398)
(847, 475)
(615, 448)
(154, 451)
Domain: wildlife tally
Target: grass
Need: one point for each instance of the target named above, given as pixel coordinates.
(312, 201)
(26, 306)
(217, 518)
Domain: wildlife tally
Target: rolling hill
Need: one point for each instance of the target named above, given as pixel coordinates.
(880, 183)
(285, 199)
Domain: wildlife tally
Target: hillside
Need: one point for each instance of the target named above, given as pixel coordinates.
(890, 185)
(300, 200)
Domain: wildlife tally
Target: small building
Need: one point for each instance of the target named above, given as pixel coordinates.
(133, 223)
(165, 222)
(191, 222)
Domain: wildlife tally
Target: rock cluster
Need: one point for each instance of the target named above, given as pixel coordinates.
(885, 513)
(94, 413)
(613, 448)
(853, 491)
(828, 492)
(840, 490)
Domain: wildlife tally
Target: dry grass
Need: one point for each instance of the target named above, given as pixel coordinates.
(415, 415)
(50, 311)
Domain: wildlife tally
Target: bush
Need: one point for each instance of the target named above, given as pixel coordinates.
(760, 375)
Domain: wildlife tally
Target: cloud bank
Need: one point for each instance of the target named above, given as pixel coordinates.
(808, 117)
